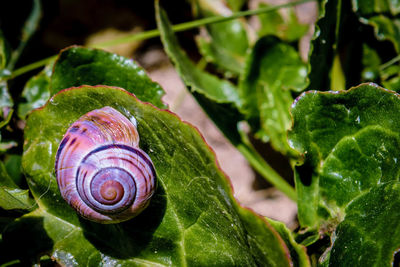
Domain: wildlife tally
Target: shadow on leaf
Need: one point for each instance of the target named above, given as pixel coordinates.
(25, 239)
(127, 239)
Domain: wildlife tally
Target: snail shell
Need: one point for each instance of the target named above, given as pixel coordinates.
(101, 171)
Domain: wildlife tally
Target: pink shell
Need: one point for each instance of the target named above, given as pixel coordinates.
(101, 171)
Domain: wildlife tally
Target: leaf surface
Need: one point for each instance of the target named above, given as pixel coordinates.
(36, 92)
(273, 70)
(350, 144)
(371, 228)
(78, 66)
(192, 219)
(225, 43)
(12, 197)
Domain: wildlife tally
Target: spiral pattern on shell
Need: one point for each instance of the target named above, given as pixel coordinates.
(101, 171)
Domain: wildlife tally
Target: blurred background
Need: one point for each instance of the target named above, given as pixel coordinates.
(74, 22)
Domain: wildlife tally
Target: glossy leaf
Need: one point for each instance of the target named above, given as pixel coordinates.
(226, 43)
(350, 144)
(12, 197)
(77, 66)
(36, 92)
(273, 70)
(193, 218)
(370, 233)
(324, 44)
(289, 29)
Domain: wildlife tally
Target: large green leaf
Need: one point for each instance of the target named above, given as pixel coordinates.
(219, 98)
(348, 185)
(383, 16)
(273, 70)
(370, 232)
(350, 143)
(192, 219)
(226, 43)
(77, 66)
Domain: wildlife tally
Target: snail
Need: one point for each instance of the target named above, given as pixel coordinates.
(101, 171)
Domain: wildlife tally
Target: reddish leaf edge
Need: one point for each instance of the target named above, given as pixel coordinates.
(226, 177)
(103, 50)
(302, 154)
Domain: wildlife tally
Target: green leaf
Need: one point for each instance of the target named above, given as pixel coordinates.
(77, 66)
(372, 7)
(15, 198)
(4, 53)
(12, 197)
(6, 103)
(382, 16)
(297, 251)
(36, 92)
(225, 43)
(219, 98)
(27, 30)
(192, 219)
(273, 69)
(5, 179)
(218, 90)
(350, 144)
(335, 23)
(13, 167)
(387, 29)
(370, 233)
(289, 29)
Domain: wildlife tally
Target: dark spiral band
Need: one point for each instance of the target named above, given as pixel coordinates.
(106, 177)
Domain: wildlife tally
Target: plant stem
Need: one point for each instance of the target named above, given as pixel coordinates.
(32, 66)
(389, 63)
(176, 28)
(258, 163)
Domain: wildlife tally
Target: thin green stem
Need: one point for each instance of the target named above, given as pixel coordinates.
(263, 168)
(389, 63)
(260, 165)
(32, 66)
(176, 28)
